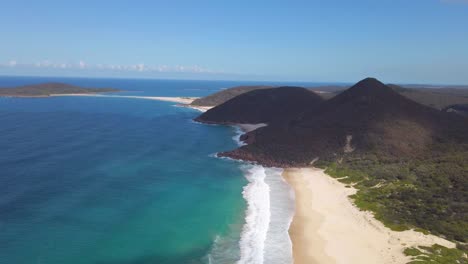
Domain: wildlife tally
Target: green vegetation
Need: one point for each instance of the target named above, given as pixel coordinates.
(407, 161)
(429, 193)
(436, 254)
(326, 92)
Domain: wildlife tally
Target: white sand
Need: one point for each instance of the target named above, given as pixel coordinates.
(183, 101)
(250, 127)
(180, 100)
(328, 228)
(199, 108)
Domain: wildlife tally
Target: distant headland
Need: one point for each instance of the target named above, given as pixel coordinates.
(50, 89)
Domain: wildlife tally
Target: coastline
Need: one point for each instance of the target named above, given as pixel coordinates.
(328, 228)
(264, 236)
(182, 101)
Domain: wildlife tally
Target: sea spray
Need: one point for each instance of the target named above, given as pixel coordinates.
(225, 249)
(257, 219)
(270, 209)
(237, 137)
(278, 245)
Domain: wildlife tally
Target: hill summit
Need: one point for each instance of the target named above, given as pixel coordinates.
(407, 160)
(368, 117)
(268, 105)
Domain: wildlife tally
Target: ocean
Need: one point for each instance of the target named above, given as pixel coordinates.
(105, 180)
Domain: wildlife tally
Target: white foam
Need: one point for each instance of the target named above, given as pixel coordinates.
(278, 245)
(224, 250)
(270, 210)
(238, 135)
(257, 219)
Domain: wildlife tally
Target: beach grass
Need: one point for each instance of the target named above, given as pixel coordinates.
(436, 254)
(373, 196)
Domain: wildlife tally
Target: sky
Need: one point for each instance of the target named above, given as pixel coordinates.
(399, 41)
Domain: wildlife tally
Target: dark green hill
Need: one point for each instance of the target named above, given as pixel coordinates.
(408, 160)
(435, 97)
(47, 89)
(263, 106)
(374, 115)
(225, 95)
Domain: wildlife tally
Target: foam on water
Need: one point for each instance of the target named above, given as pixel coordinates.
(278, 245)
(270, 209)
(238, 135)
(257, 216)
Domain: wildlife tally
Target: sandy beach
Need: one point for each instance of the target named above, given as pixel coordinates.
(328, 228)
(180, 100)
(183, 101)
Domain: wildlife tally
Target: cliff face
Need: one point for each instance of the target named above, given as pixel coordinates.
(273, 105)
(369, 117)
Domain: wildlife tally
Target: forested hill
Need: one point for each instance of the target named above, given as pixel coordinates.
(408, 160)
(225, 95)
(263, 106)
(435, 97)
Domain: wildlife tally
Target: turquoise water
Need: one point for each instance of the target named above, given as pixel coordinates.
(130, 181)
(106, 180)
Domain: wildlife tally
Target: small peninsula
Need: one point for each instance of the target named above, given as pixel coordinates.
(50, 89)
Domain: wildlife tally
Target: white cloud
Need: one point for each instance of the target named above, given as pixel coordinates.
(82, 64)
(140, 67)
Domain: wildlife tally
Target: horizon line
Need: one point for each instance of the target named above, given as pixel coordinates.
(338, 83)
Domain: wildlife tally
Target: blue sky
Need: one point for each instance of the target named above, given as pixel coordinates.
(403, 41)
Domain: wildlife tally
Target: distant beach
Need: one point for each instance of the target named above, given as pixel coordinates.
(183, 101)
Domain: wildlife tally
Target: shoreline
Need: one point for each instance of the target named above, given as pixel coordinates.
(264, 236)
(182, 101)
(328, 228)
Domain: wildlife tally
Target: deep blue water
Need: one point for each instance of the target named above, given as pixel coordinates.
(110, 180)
